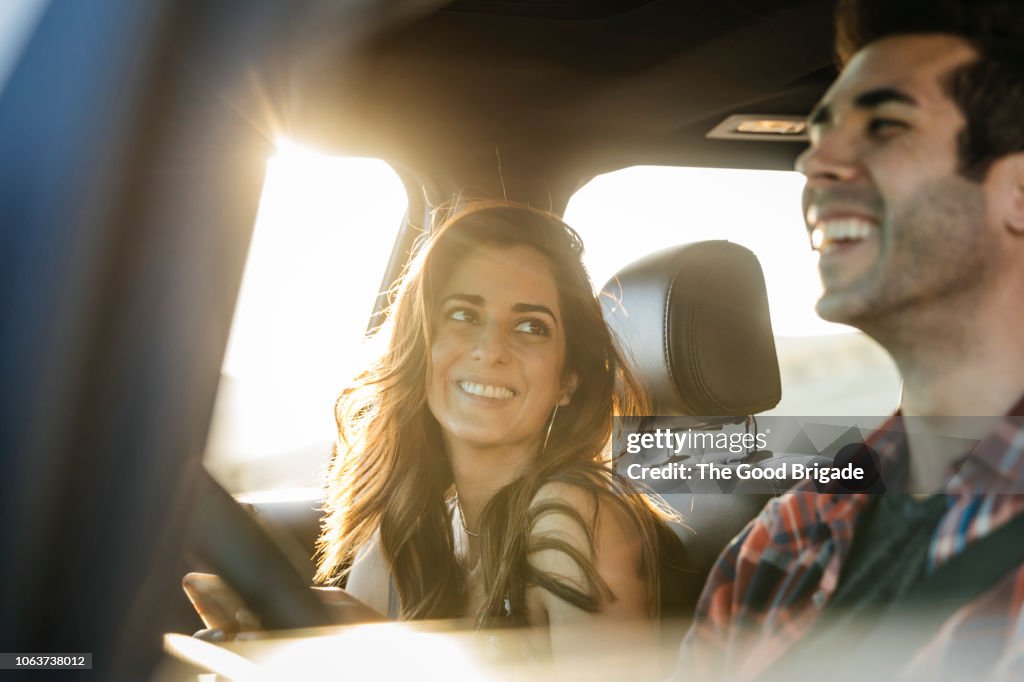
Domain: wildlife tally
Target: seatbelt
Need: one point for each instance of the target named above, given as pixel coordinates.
(890, 643)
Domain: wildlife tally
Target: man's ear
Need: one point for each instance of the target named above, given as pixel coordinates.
(1012, 183)
(569, 386)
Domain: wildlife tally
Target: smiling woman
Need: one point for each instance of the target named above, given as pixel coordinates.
(497, 362)
(471, 477)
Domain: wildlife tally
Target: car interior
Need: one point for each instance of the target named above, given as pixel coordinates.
(133, 144)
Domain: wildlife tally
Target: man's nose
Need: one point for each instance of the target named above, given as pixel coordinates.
(833, 158)
(491, 344)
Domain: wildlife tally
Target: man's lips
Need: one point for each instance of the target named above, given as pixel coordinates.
(832, 229)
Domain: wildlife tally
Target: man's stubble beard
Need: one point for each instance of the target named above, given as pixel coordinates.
(934, 258)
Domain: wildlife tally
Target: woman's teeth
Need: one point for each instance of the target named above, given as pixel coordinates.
(486, 391)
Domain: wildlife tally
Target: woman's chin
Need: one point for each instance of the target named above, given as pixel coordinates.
(489, 439)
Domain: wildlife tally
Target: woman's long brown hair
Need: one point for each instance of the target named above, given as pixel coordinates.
(390, 473)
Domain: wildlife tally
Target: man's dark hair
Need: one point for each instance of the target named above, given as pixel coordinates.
(989, 91)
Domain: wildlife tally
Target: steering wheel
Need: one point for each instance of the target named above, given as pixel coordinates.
(236, 546)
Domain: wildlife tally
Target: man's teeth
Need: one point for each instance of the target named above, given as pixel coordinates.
(841, 229)
(486, 391)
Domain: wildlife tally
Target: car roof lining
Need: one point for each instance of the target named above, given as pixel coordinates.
(450, 92)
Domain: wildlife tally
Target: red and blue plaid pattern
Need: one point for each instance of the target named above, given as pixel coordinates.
(770, 584)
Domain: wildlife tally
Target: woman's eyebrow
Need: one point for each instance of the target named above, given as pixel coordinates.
(476, 299)
(533, 308)
(473, 299)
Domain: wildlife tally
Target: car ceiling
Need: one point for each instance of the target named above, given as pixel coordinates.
(534, 97)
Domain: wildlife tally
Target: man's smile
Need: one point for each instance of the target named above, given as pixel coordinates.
(836, 233)
(834, 227)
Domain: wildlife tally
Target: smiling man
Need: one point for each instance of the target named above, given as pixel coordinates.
(915, 202)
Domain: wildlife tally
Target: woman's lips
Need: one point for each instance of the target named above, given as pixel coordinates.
(488, 391)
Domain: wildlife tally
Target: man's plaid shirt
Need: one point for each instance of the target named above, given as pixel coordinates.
(769, 586)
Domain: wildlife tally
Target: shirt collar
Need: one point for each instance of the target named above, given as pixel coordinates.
(996, 464)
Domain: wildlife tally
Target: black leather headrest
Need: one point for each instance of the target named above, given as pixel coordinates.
(693, 319)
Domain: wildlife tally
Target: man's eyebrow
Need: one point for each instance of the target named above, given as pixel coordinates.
(819, 115)
(533, 308)
(880, 96)
(465, 298)
(870, 99)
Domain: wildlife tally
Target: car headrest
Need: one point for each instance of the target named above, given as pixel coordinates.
(693, 320)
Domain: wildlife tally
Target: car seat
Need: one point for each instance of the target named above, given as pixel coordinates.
(693, 322)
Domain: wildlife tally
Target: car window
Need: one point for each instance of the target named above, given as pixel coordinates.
(827, 369)
(18, 18)
(322, 240)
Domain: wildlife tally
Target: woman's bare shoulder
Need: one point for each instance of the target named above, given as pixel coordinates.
(590, 507)
(576, 527)
(586, 551)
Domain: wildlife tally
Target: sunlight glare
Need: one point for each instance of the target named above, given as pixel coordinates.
(391, 651)
(323, 236)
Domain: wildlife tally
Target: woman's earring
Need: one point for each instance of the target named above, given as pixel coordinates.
(550, 424)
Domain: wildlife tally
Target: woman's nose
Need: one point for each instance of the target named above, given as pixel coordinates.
(490, 344)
